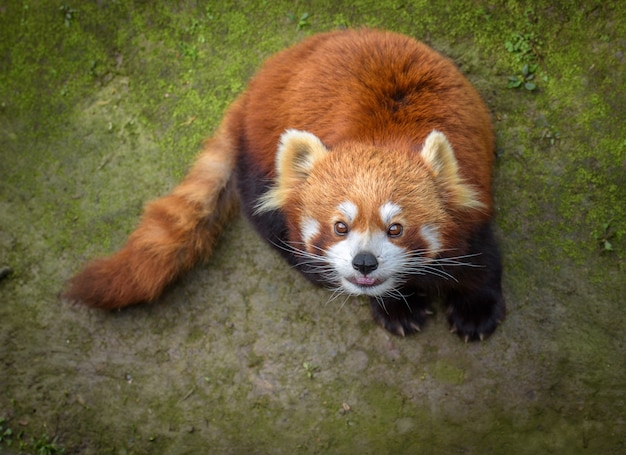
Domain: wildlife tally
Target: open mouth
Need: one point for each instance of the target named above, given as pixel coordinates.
(364, 281)
(365, 285)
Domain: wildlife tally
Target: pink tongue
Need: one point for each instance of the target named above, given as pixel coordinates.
(365, 281)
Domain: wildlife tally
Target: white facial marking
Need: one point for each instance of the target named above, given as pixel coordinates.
(388, 211)
(432, 237)
(349, 210)
(310, 227)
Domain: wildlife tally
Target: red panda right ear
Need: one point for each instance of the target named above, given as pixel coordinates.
(438, 155)
(297, 153)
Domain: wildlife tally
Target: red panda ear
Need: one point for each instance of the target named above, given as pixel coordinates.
(439, 157)
(297, 153)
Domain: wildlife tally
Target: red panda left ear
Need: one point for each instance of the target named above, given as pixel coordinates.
(297, 153)
(439, 157)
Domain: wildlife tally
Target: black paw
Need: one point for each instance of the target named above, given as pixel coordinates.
(476, 316)
(400, 316)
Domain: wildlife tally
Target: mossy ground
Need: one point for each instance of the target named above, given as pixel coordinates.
(102, 107)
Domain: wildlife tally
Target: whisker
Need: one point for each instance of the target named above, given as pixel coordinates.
(418, 262)
(381, 302)
(440, 273)
(337, 292)
(396, 294)
(344, 302)
(455, 261)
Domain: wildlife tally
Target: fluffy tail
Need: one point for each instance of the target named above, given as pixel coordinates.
(176, 231)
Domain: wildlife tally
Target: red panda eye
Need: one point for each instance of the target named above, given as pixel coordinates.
(341, 228)
(395, 230)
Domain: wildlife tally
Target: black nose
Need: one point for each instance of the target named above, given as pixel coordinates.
(365, 263)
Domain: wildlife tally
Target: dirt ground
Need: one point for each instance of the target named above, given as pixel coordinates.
(103, 106)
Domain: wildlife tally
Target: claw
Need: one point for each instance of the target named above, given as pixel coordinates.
(428, 313)
(416, 327)
(466, 339)
(481, 336)
(453, 329)
(401, 331)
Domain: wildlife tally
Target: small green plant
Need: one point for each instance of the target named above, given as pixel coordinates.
(551, 134)
(40, 446)
(47, 446)
(526, 79)
(68, 14)
(189, 51)
(604, 236)
(525, 46)
(6, 434)
(310, 369)
(302, 21)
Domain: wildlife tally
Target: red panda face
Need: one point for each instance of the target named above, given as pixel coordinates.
(367, 218)
(372, 220)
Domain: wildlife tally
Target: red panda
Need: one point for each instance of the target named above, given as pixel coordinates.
(365, 158)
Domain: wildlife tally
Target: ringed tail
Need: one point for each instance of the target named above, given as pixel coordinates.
(176, 231)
